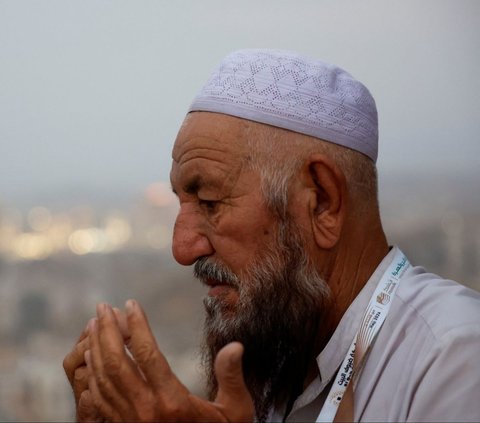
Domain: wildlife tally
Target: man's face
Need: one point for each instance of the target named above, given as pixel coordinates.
(264, 292)
(222, 213)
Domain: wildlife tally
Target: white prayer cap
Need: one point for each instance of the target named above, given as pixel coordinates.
(293, 92)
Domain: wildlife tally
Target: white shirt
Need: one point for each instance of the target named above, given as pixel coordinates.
(424, 364)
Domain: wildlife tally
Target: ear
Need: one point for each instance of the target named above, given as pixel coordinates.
(329, 200)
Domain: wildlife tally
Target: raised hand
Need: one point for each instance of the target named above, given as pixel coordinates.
(140, 385)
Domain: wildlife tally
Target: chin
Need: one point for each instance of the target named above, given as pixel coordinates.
(221, 305)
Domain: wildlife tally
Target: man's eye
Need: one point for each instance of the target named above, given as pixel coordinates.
(210, 205)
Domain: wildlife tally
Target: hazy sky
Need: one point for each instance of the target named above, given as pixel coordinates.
(92, 92)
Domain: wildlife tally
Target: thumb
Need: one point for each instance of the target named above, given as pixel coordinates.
(233, 397)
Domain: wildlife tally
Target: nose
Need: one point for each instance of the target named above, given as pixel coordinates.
(189, 241)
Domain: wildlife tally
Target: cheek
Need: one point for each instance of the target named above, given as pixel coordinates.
(251, 223)
(243, 253)
(242, 236)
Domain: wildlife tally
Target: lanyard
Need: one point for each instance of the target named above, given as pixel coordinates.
(372, 321)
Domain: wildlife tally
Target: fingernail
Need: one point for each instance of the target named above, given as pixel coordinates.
(101, 309)
(91, 325)
(109, 310)
(130, 306)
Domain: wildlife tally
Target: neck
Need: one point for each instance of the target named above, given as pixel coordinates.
(348, 269)
(351, 268)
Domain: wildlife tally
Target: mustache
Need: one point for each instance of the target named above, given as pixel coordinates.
(207, 270)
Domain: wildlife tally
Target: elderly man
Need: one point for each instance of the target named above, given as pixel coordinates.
(310, 314)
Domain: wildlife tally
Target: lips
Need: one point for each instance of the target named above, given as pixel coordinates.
(218, 288)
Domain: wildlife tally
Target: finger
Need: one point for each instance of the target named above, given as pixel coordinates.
(144, 348)
(102, 406)
(233, 397)
(86, 410)
(87, 330)
(122, 324)
(75, 359)
(103, 388)
(80, 383)
(115, 367)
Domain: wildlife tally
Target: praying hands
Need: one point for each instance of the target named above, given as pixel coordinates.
(118, 373)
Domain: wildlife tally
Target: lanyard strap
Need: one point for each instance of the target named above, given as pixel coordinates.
(372, 321)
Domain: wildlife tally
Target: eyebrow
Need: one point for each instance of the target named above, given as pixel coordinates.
(192, 186)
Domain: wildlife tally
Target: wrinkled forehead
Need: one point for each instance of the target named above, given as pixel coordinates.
(212, 132)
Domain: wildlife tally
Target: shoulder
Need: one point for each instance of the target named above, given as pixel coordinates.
(445, 316)
(446, 308)
(423, 365)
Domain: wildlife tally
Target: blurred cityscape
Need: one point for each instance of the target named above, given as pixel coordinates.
(58, 260)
